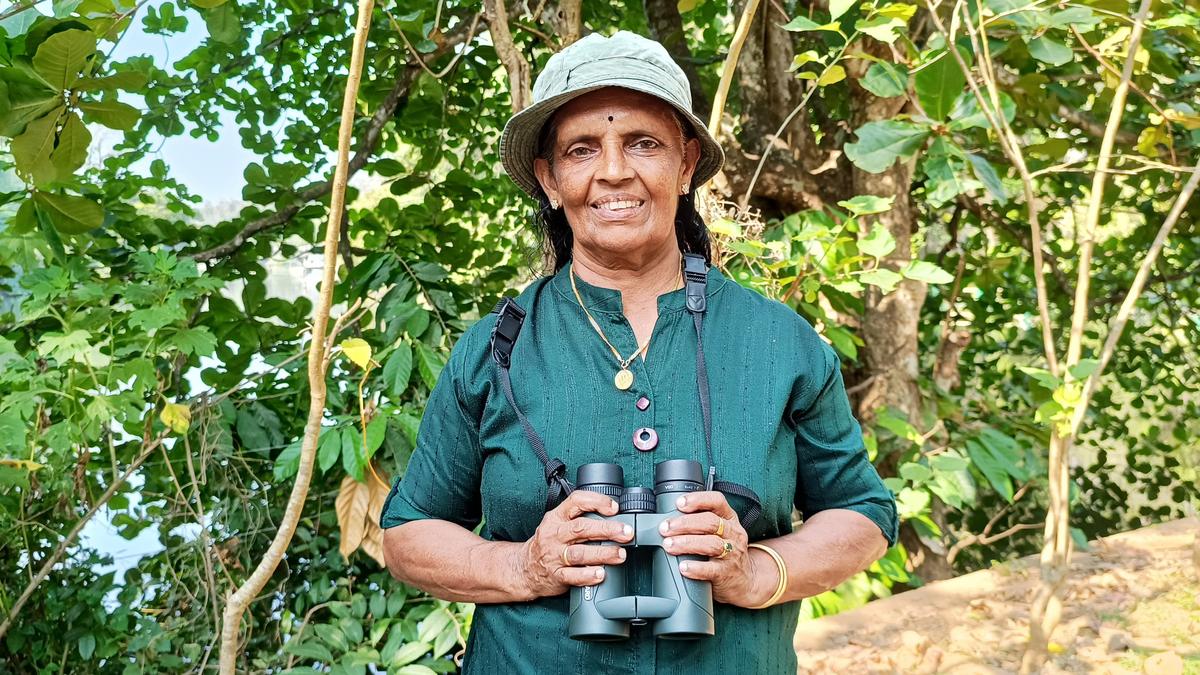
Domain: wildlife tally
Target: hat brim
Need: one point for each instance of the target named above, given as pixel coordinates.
(518, 142)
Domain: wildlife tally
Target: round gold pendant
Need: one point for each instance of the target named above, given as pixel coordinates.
(623, 379)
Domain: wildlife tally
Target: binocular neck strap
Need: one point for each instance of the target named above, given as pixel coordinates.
(504, 336)
(695, 275)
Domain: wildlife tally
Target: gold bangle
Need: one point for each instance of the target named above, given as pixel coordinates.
(783, 576)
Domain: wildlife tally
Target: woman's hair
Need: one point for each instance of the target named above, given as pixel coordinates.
(555, 233)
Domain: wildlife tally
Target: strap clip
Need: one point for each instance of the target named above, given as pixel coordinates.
(505, 332)
(695, 277)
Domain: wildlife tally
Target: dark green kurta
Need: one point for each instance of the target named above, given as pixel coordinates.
(782, 425)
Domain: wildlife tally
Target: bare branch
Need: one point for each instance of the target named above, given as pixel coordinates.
(241, 598)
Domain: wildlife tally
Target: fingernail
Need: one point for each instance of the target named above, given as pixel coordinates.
(621, 553)
(683, 567)
(664, 527)
(681, 502)
(612, 506)
(599, 573)
(627, 531)
(668, 542)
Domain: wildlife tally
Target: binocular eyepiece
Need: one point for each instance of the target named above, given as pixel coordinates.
(681, 608)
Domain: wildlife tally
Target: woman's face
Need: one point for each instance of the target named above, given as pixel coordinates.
(618, 161)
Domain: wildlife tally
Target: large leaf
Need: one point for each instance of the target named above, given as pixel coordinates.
(944, 165)
(881, 143)
(967, 114)
(222, 22)
(398, 370)
(938, 84)
(112, 114)
(801, 24)
(1050, 51)
(885, 80)
(988, 176)
(429, 364)
(351, 507)
(923, 270)
(60, 58)
(992, 470)
(31, 150)
(329, 448)
(70, 214)
(839, 7)
(72, 149)
(878, 243)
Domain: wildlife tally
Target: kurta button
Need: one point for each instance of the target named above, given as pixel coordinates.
(642, 403)
(645, 439)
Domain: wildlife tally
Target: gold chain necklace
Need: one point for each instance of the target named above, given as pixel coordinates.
(624, 378)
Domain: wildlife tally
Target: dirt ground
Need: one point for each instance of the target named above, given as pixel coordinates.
(1132, 606)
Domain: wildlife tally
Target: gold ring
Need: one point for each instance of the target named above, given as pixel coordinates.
(720, 527)
(725, 549)
(566, 563)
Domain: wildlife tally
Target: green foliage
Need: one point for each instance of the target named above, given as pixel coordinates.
(129, 314)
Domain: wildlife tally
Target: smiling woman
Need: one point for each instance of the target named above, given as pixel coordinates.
(641, 366)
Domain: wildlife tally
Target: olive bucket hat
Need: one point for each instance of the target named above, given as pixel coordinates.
(624, 60)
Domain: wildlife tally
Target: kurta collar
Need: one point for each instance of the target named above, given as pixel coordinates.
(600, 299)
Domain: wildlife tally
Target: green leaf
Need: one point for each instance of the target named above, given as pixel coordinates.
(31, 150)
(881, 143)
(73, 142)
(429, 364)
(353, 460)
(882, 28)
(923, 270)
(433, 624)
(128, 80)
(208, 4)
(944, 165)
(842, 341)
(60, 58)
(87, 646)
(991, 469)
(988, 176)
(967, 114)
(1042, 376)
(882, 277)
(947, 462)
(376, 430)
(222, 22)
(801, 24)
(288, 462)
(839, 7)
(1050, 51)
(831, 75)
(938, 84)
(917, 473)
(409, 652)
(863, 205)
(198, 341)
(329, 447)
(311, 650)
(878, 243)
(398, 370)
(112, 114)
(26, 219)
(885, 80)
(69, 214)
(1083, 369)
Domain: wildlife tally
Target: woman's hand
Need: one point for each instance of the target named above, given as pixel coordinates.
(558, 557)
(708, 527)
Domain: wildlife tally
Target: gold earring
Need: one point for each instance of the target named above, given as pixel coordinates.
(683, 189)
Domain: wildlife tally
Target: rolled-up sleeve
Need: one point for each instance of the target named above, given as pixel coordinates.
(443, 475)
(834, 472)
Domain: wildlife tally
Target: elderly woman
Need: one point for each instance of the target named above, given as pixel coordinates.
(623, 360)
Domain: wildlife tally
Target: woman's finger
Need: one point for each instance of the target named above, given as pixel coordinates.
(710, 500)
(703, 570)
(594, 529)
(704, 522)
(695, 544)
(580, 502)
(590, 554)
(580, 576)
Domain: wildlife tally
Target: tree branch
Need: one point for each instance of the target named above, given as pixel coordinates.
(514, 61)
(666, 26)
(317, 354)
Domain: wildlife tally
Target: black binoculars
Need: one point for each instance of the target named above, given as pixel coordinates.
(681, 608)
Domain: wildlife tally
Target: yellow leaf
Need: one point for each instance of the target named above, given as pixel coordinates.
(351, 506)
(1151, 138)
(357, 350)
(1055, 648)
(834, 73)
(177, 417)
(26, 464)
(1189, 120)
